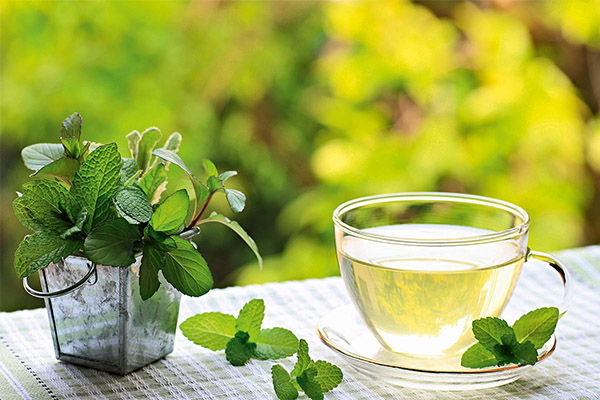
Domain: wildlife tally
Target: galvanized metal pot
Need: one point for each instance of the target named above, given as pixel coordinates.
(98, 319)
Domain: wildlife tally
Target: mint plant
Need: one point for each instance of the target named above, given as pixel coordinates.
(87, 200)
(242, 338)
(499, 344)
(312, 377)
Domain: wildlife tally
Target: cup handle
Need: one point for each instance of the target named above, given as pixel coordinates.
(562, 270)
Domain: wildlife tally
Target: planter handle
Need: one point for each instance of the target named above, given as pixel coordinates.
(61, 292)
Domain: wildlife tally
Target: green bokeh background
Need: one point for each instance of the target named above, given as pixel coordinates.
(315, 103)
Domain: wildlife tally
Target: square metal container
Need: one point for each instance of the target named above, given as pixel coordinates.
(104, 323)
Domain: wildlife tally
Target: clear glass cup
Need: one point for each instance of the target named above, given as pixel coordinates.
(420, 267)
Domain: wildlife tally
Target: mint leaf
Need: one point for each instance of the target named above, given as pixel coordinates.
(133, 205)
(212, 330)
(209, 167)
(159, 240)
(275, 343)
(37, 156)
(170, 215)
(488, 331)
(478, 356)
(303, 358)
(250, 317)
(308, 382)
(234, 226)
(170, 156)
(152, 261)
(226, 175)
(536, 326)
(128, 170)
(214, 184)
(133, 139)
(149, 140)
(238, 350)
(282, 383)
(525, 353)
(40, 249)
(64, 168)
(504, 350)
(45, 205)
(70, 133)
(173, 141)
(112, 243)
(328, 375)
(96, 182)
(186, 270)
(154, 182)
(236, 200)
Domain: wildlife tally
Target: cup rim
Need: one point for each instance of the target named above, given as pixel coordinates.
(511, 233)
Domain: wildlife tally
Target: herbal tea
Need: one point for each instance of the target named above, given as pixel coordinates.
(422, 301)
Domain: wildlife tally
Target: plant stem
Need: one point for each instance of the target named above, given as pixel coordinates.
(197, 217)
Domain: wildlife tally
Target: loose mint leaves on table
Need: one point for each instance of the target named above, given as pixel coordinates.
(242, 338)
(87, 200)
(312, 377)
(499, 344)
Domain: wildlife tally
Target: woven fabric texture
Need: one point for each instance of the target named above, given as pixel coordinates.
(192, 372)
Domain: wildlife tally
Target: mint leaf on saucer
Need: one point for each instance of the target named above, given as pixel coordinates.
(536, 326)
(282, 382)
(170, 215)
(112, 243)
(250, 318)
(488, 331)
(478, 356)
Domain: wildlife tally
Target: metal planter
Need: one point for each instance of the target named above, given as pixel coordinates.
(101, 321)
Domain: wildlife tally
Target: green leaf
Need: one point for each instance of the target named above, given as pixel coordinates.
(170, 156)
(526, 353)
(170, 214)
(133, 205)
(303, 358)
(96, 182)
(226, 175)
(214, 184)
(70, 133)
(308, 382)
(250, 317)
(133, 139)
(236, 200)
(64, 168)
(238, 350)
(282, 383)
(112, 243)
(40, 249)
(154, 182)
(234, 226)
(161, 241)
(488, 331)
(152, 261)
(503, 351)
(478, 356)
(275, 343)
(45, 205)
(536, 326)
(212, 330)
(186, 270)
(149, 140)
(173, 141)
(128, 170)
(37, 156)
(209, 167)
(328, 375)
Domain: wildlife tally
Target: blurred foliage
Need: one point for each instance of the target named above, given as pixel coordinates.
(316, 103)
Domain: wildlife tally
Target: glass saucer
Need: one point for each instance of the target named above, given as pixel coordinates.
(343, 330)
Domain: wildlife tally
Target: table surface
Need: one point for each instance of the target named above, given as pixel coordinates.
(28, 368)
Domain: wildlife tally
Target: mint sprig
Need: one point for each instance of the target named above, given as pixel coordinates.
(242, 338)
(499, 344)
(313, 377)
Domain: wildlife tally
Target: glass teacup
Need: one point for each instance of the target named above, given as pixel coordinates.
(420, 267)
